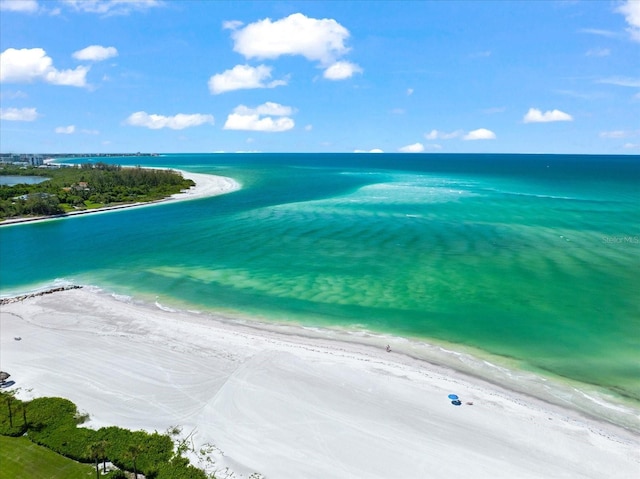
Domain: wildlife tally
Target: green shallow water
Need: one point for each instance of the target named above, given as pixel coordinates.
(534, 259)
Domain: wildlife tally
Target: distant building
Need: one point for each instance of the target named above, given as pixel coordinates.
(23, 160)
(32, 160)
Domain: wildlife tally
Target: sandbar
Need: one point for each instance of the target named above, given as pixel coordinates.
(286, 404)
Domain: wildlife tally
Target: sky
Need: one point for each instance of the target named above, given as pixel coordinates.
(189, 76)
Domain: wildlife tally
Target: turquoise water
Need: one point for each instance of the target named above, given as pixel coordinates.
(532, 259)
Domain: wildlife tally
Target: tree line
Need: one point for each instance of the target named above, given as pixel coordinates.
(92, 185)
(53, 423)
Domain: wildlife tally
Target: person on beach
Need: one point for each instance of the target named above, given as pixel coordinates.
(388, 348)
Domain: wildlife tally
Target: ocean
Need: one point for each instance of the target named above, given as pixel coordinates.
(521, 269)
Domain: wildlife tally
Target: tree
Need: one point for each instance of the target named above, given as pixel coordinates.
(96, 451)
(133, 451)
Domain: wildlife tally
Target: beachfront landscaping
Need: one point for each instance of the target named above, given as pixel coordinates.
(53, 424)
(22, 458)
(88, 186)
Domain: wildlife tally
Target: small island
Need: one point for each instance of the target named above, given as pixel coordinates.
(90, 186)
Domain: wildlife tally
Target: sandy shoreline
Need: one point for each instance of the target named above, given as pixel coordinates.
(206, 186)
(290, 405)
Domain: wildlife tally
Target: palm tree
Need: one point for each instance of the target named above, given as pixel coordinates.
(96, 451)
(133, 451)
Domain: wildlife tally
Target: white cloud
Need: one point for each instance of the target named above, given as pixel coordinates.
(619, 134)
(409, 91)
(631, 11)
(232, 24)
(536, 116)
(319, 40)
(261, 118)
(308, 128)
(95, 53)
(374, 150)
(581, 95)
(598, 52)
(236, 121)
(621, 81)
(112, 7)
(441, 135)
(414, 148)
(66, 130)
(268, 108)
(12, 95)
(18, 114)
(631, 145)
(25, 6)
(480, 134)
(177, 122)
(243, 77)
(29, 64)
(341, 70)
(602, 33)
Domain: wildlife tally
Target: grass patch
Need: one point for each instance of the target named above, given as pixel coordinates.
(91, 205)
(22, 458)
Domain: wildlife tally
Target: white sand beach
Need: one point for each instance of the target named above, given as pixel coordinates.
(205, 186)
(287, 405)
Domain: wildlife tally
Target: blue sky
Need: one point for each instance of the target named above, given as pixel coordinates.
(332, 76)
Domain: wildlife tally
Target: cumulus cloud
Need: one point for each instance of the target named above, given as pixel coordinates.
(441, 135)
(66, 130)
(24, 6)
(29, 64)
(536, 116)
(341, 70)
(319, 40)
(480, 134)
(177, 122)
(631, 11)
(374, 150)
(261, 118)
(18, 114)
(243, 77)
(112, 7)
(95, 53)
(413, 148)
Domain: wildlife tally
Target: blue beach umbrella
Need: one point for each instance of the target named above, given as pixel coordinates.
(453, 396)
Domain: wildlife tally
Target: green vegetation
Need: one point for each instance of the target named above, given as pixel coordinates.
(53, 423)
(20, 457)
(89, 186)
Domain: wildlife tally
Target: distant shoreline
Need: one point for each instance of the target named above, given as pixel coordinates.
(205, 186)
